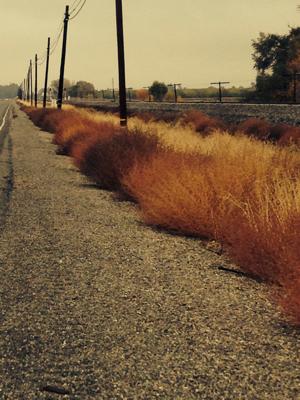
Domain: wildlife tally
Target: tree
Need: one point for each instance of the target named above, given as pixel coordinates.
(158, 90)
(9, 91)
(142, 94)
(54, 85)
(20, 93)
(82, 89)
(275, 58)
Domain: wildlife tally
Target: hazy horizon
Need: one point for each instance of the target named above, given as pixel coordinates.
(193, 42)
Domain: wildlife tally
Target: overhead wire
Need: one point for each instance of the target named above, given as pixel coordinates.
(56, 41)
(80, 8)
(75, 9)
(75, 6)
(42, 59)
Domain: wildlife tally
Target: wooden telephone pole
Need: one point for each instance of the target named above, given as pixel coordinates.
(35, 82)
(121, 63)
(46, 74)
(220, 88)
(30, 78)
(175, 85)
(63, 60)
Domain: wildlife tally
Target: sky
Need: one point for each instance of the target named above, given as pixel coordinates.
(192, 42)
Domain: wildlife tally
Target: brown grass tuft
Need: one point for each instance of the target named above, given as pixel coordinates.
(255, 127)
(201, 122)
(290, 137)
(106, 160)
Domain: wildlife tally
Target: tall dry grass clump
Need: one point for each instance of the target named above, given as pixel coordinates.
(107, 160)
(46, 119)
(241, 192)
(291, 136)
(232, 188)
(255, 127)
(202, 123)
(72, 126)
(282, 134)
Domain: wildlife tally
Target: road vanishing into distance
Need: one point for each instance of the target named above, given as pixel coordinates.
(95, 305)
(6, 173)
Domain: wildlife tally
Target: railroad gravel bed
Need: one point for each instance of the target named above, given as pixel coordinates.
(229, 112)
(95, 305)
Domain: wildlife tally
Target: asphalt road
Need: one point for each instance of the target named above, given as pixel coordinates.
(94, 305)
(6, 172)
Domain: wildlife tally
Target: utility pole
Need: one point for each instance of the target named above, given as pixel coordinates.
(175, 90)
(295, 75)
(113, 90)
(63, 59)
(46, 74)
(294, 86)
(35, 83)
(149, 94)
(27, 85)
(31, 91)
(220, 88)
(129, 93)
(121, 64)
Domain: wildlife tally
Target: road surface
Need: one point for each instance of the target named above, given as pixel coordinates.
(95, 305)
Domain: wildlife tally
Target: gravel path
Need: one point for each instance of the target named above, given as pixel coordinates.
(94, 305)
(229, 112)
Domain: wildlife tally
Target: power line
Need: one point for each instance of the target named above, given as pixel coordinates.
(75, 6)
(81, 7)
(56, 37)
(43, 58)
(56, 41)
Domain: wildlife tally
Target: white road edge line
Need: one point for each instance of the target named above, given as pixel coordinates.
(3, 121)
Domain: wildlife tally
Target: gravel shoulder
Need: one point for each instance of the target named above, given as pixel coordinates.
(97, 304)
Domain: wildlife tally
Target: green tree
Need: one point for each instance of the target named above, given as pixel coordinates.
(158, 90)
(9, 91)
(55, 83)
(82, 89)
(20, 93)
(273, 57)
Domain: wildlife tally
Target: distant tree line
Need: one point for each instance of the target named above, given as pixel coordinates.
(158, 91)
(9, 91)
(79, 89)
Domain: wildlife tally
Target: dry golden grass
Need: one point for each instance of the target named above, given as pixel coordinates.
(240, 191)
(105, 160)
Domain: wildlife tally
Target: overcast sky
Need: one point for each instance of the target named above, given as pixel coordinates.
(193, 42)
